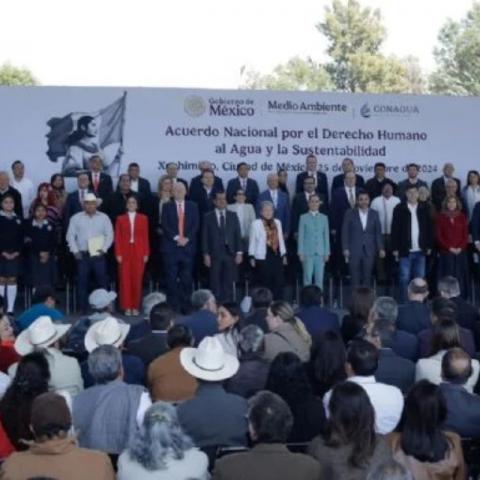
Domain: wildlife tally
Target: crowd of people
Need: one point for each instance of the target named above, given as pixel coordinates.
(218, 236)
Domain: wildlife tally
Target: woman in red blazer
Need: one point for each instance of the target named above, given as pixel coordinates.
(132, 250)
(452, 240)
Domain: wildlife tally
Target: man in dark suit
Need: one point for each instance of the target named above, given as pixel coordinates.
(204, 196)
(115, 204)
(196, 183)
(392, 368)
(262, 297)
(180, 223)
(362, 240)
(74, 202)
(270, 422)
(412, 180)
(339, 180)
(154, 344)
(248, 185)
(221, 247)
(100, 182)
(414, 315)
(375, 185)
(203, 320)
(314, 316)
(439, 192)
(280, 202)
(6, 189)
(137, 183)
(319, 179)
(172, 172)
(463, 408)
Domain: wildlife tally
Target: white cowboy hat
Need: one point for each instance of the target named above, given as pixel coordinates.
(106, 332)
(209, 361)
(40, 334)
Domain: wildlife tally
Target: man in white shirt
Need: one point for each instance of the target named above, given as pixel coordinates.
(384, 205)
(23, 185)
(387, 401)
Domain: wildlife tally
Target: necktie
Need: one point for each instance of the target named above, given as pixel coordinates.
(82, 195)
(222, 227)
(351, 197)
(312, 175)
(244, 184)
(96, 181)
(274, 199)
(181, 220)
(385, 217)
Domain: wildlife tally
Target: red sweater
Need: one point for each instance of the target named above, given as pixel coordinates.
(452, 232)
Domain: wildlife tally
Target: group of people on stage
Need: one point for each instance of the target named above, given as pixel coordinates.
(208, 231)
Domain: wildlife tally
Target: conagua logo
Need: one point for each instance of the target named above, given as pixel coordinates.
(365, 111)
(388, 110)
(194, 105)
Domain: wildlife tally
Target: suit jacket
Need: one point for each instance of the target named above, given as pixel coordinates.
(204, 200)
(406, 345)
(246, 219)
(318, 320)
(463, 410)
(202, 323)
(413, 317)
(339, 181)
(282, 211)
(339, 206)
(105, 186)
(439, 193)
(475, 223)
(402, 187)
(267, 462)
(425, 342)
(214, 417)
(467, 315)
(72, 206)
(357, 240)
(321, 186)
(374, 187)
(395, 370)
(149, 347)
(212, 241)
(313, 235)
(144, 187)
(251, 192)
(196, 185)
(115, 205)
(140, 235)
(170, 227)
(300, 206)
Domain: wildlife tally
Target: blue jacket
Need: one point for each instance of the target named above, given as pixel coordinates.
(318, 320)
(170, 227)
(313, 235)
(202, 323)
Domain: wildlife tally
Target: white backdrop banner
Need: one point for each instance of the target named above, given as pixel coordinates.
(56, 129)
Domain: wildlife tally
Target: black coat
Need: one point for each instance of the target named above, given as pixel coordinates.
(321, 186)
(374, 187)
(149, 347)
(439, 193)
(251, 192)
(212, 241)
(339, 181)
(395, 370)
(251, 376)
(105, 186)
(413, 317)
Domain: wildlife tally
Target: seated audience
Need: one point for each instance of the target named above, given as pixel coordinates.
(212, 417)
(361, 302)
(414, 315)
(387, 401)
(31, 379)
(421, 445)
(65, 373)
(143, 327)
(167, 380)
(350, 447)
(54, 453)
(228, 319)
(288, 378)
(463, 407)
(390, 470)
(314, 316)
(446, 335)
(161, 451)
(43, 303)
(328, 362)
(106, 415)
(269, 424)
(203, 321)
(152, 345)
(392, 369)
(262, 297)
(287, 333)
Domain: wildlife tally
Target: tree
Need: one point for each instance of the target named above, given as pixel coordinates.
(10, 75)
(458, 56)
(414, 77)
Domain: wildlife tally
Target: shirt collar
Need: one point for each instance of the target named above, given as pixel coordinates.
(12, 215)
(39, 225)
(363, 380)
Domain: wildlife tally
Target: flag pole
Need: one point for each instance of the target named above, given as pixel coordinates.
(122, 129)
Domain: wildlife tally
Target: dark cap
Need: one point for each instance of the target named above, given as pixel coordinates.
(50, 413)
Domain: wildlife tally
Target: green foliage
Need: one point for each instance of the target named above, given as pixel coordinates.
(10, 75)
(458, 56)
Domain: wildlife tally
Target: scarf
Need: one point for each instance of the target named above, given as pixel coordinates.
(272, 234)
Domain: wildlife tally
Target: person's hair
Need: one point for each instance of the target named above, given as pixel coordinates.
(200, 298)
(456, 366)
(150, 300)
(159, 439)
(123, 175)
(262, 297)
(361, 302)
(411, 187)
(160, 182)
(51, 199)
(448, 198)
(172, 163)
(363, 357)
(15, 163)
(42, 293)
(311, 295)
(446, 334)
(283, 310)
(379, 164)
(266, 203)
(179, 336)
(389, 470)
(217, 193)
(7, 195)
(133, 164)
(443, 308)
(351, 422)
(251, 339)
(385, 308)
(384, 330)
(161, 316)
(329, 361)
(449, 286)
(54, 177)
(208, 170)
(79, 133)
(105, 363)
(472, 172)
(288, 378)
(418, 286)
(30, 380)
(241, 164)
(135, 197)
(412, 165)
(424, 413)
(270, 417)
